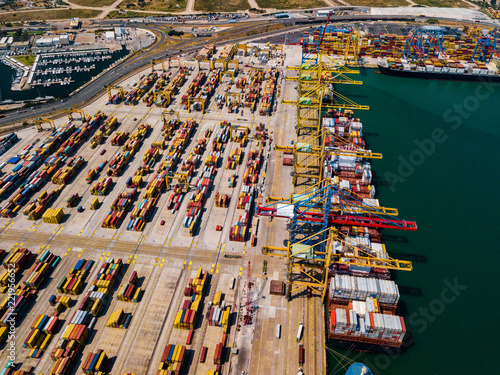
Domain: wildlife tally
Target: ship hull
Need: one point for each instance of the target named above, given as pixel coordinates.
(363, 346)
(438, 76)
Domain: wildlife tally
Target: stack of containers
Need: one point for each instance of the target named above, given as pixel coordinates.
(119, 209)
(102, 187)
(251, 174)
(53, 216)
(205, 53)
(119, 138)
(63, 176)
(16, 304)
(118, 163)
(97, 139)
(37, 208)
(209, 88)
(234, 158)
(175, 199)
(169, 127)
(191, 163)
(178, 81)
(130, 291)
(198, 198)
(73, 283)
(16, 261)
(213, 159)
(186, 317)
(194, 87)
(42, 330)
(115, 319)
(222, 136)
(41, 269)
(252, 92)
(144, 85)
(172, 359)
(227, 52)
(95, 363)
(7, 142)
(345, 287)
(269, 91)
(73, 337)
(71, 201)
(222, 200)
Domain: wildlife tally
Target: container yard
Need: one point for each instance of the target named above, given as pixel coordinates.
(140, 243)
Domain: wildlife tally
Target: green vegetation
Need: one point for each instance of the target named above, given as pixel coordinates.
(379, 3)
(432, 21)
(221, 5)
(175, 33)
(443, 3)
(93, 3)
(48, 15)
(128, 14)
(296, 4)
(158, 5)
(25, 59)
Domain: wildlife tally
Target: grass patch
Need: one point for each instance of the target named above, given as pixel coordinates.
(25, 59)
(130, 14)
(48, 15)
(379, 3)
(93, 3)
(291, 4)
(443, 3)
(156, 5)
(221, 5)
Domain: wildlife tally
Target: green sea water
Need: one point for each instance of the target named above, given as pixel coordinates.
(441, 168)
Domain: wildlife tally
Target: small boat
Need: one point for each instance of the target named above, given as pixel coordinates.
(358, 369)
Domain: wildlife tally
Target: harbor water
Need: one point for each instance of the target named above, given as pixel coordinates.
(440, 168)
(56, 90)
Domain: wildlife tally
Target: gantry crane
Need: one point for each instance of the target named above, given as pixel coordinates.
(209, 62)
(487, 46)
(70, 111)
(169, 62)
(351, 53)
(182, 177)
(39, 121)
(313, 239)
(166, 114)
(236, 95)
(121, 93)
(165, 94)
(153, 62)
(200, 101)
(235, 128)
(424, 41)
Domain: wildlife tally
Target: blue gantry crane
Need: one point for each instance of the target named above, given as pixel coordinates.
(423, 42)
(486, 47)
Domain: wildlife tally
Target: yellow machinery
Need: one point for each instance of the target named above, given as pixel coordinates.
(166, 114)
(181, 177)
(310, 153)
(110, 89)
(242, 47)
(235, 63)
(308, 267)
(236, 95)
(236, 128)
(196, 100)
(209, 62)
(220, 61)
(39, 121)
(169, 62)
(254, 71)
(351, 52)
(153, 62)
(166, 94)
(70, 112)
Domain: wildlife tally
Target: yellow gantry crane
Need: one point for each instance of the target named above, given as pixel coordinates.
(110, 90)
(166, 94)
(352, 47)
(196, 100)
(153, 62)
(308, 268)
(236, 128)
(209, 62)
(169, 62)
(39, 121)
(236, 95)
(166, 114)
(70, 111)
(181, 177)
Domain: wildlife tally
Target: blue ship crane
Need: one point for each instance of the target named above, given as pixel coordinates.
(424, 41)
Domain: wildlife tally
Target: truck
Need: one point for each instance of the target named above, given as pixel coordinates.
(300, 331)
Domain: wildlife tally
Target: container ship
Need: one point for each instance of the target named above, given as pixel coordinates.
(439, 69)
(362, 300)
